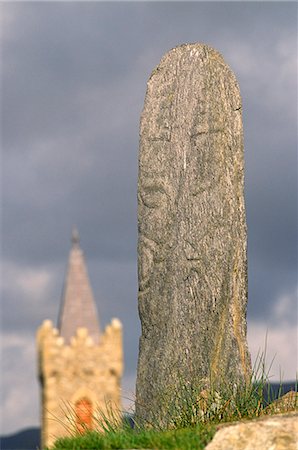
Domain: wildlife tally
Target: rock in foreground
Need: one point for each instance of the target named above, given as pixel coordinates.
(271, 433)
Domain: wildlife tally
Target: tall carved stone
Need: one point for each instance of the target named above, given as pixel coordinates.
(192, 229)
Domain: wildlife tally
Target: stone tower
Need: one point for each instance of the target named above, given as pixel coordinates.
(79, 367)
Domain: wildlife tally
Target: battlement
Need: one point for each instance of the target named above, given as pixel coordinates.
(47, 333)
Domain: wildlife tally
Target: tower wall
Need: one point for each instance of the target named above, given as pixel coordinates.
(79, 371)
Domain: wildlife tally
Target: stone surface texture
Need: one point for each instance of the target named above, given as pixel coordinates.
(286, 403)
(271, 433)
(80, 366)
(192, 263)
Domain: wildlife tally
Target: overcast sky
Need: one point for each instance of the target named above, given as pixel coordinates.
(74, 80)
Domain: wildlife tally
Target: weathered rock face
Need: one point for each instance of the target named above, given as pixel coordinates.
(270, 433)
(286, 403)
(192, 229)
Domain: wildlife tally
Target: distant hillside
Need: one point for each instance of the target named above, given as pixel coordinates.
(276, 390)
(29, 439)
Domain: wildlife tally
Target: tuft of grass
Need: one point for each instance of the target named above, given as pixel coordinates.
(187, 439)
(196, 402)
(196, 409)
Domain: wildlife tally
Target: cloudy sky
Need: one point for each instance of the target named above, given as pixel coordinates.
(74, 79)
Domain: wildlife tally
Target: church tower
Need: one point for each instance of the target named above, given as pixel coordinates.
(79, 367)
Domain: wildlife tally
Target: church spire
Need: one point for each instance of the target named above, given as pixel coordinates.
(78, 307)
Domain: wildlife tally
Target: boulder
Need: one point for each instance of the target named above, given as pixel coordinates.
(279, 432)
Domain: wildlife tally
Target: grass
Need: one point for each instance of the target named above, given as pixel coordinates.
(188, 439)
(191, 420)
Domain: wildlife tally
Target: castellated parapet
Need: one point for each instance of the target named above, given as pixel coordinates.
(80, 380)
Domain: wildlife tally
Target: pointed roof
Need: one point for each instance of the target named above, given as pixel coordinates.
(78, 307)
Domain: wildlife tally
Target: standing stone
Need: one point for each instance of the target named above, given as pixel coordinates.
(192, 230)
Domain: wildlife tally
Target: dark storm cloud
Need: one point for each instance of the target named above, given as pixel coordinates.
(52, 197)
(55, 52)
(58, 52)
(74, 79)
(74, 86)
(73, 116)
(31, 294)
